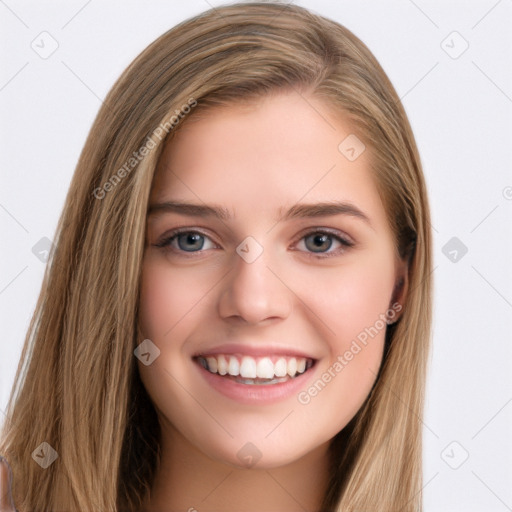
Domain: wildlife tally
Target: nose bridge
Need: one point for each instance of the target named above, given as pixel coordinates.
(253, 291)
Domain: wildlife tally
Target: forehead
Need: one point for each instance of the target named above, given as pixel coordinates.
(261, 156)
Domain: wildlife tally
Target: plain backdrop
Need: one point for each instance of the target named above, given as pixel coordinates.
(450, 63)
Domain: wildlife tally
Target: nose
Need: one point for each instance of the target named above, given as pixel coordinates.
(254, 292)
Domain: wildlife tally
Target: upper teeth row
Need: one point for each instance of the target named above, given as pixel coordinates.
(250, 368)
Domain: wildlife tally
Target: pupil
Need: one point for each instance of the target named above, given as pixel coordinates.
(320, 242)
(194, 239)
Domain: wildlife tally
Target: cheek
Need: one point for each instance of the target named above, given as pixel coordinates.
(361, 298)
(170, 298)
(350, 298)
(351, 302)
(173, 302)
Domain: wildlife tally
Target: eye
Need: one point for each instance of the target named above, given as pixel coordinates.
(321, 242)
(186, 241)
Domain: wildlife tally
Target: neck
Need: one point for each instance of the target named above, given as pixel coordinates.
(188, 480)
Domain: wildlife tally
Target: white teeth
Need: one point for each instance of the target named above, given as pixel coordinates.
(248, 368)
(265, 368)
(251, 368)
(212, 364)
(280, 367)
(222, 365)
(292, 367)
(234, 366)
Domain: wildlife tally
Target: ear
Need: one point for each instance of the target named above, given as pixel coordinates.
(400, 290)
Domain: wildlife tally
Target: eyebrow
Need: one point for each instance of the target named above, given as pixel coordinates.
(297, 211)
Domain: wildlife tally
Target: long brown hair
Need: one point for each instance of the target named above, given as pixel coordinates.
(77, 387)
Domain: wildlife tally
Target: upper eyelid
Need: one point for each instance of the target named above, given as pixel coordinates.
(329, 231)
(173, 233)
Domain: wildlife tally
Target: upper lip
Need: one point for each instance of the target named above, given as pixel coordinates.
(253, 350)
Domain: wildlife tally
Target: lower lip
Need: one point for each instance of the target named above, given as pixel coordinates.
(254, 393)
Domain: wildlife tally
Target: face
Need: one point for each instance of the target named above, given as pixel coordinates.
(268, 270)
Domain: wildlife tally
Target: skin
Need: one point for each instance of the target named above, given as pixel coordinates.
(256, 161)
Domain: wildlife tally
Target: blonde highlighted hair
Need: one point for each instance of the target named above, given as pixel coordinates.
(77, 386)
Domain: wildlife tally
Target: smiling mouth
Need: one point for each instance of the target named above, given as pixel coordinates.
(255, 371)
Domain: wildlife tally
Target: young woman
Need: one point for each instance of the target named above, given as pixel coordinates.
(236, 315)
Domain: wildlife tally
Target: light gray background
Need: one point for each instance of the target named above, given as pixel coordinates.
(460, 107)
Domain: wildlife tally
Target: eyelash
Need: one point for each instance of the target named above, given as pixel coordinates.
(165, 242)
